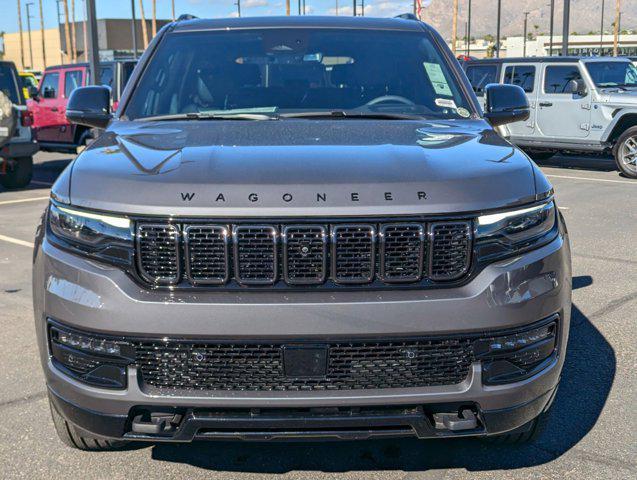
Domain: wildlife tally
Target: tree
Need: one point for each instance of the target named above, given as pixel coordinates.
(154, 24)
(142, 18)
(67, 33)
(73, 37)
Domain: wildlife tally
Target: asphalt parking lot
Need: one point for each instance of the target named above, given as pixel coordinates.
(591, 428)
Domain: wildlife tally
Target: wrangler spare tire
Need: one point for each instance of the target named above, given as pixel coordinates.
(8, 120)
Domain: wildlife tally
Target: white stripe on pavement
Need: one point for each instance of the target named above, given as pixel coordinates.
(16, 241)
(23, 200)
(593, 179)
(38, 182)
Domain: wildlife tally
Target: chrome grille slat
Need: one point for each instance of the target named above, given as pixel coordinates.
(302, 254)
(206, 251)
(255, 254)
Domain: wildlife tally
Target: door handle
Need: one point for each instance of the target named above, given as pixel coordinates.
(546, 104)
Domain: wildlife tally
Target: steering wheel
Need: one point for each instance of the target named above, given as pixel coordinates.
(390, 98)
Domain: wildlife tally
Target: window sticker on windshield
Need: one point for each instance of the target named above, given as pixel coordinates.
(446, 102)
(437, 78)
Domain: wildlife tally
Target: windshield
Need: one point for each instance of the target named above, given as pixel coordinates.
(298, 70)
(613, 74)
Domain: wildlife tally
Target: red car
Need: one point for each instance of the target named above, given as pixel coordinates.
(48, 104)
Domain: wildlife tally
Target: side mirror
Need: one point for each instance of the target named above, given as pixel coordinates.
(505, 104)
(90, 106)
(578, 87)
(33, 92)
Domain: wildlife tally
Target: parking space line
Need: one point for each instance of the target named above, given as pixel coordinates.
(23, 200)
(38, 182)
(16, 241)
(628, 182)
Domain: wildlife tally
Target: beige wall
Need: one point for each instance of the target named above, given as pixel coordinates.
(51, 45)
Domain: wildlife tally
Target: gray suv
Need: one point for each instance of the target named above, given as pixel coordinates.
(577, 104)
(300, 228)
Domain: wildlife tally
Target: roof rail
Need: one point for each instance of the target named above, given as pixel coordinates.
(185, 16)
(407, 16)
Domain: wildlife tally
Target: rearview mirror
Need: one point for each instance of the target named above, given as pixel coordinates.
(505, 104)
(578, 87)
(90, 106)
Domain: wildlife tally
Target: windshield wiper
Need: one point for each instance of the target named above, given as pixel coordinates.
(209, 116)
(351, 114)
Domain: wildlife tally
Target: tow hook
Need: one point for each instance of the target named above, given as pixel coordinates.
(156, 423)
(464, 420)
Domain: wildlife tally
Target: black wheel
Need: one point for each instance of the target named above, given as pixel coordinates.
(524, 434)
(18, 172)
(541, 154)
(73, 437)
(625, 152)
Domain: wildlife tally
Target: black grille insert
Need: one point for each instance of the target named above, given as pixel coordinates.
(158, 253)
(304, 254)
(255, 254)
(450, 250)
(183, 365)
(402, 248)
(207, 254)
(353, 253)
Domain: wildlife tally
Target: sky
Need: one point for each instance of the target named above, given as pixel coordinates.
(199, 8)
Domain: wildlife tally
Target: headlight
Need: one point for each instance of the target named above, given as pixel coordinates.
(515, 230)
(106, 236)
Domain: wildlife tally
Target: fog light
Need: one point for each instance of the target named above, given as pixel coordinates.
(513, 357)
(90, 358)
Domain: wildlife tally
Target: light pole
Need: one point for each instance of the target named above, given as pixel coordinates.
(42, 35)
(21, 37)
(93, 48)
(526, 16)
(601, 32)
(565, 26)
(497, 37)
(354, 7)
(238, 4)
(29, 33)
(133, 26)
(469, 30)
(551, 28)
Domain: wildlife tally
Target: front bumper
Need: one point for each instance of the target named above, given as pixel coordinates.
(509, 294)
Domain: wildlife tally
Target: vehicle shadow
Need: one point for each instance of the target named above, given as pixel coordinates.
(587, 378)
(594, 163)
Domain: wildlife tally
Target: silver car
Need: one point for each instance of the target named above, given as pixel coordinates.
(300, 228)
(584, 105)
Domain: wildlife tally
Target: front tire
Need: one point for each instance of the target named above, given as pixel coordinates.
(18, 173)
(625, 153)
(73, 437)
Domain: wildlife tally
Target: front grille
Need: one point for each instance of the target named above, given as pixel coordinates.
(349, 254)
(182, 365)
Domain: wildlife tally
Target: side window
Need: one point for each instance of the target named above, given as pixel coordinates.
(480, 76)
(72, 80)
(557, 78)
(106, 76)
(8, 84)
(49, 85)
(520, 75)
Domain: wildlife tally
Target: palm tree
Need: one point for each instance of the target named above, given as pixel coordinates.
(67, 33)
(73, 38)
(142, 19)
(154, 24)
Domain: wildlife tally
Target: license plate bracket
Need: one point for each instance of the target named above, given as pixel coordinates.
(305, 360)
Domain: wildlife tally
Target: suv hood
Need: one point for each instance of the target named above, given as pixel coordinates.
(298, 167)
